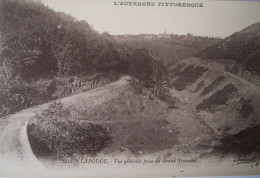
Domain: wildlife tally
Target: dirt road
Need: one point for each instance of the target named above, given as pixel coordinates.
(13, 136)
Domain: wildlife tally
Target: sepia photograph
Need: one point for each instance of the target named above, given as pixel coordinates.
(108, 88)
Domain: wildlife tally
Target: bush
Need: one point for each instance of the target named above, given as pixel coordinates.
(219, 98)
(188, 76)
(213, 85)
(56, 132)
(245, 142)
(245, 108)
(199, 86)
(15, 98)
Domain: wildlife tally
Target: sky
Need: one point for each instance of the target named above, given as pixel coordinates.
(215, 18)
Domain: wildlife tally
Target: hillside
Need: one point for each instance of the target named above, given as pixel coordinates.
(39, 42)
(243, 47)
(115, 119)
(71, 92)
(13, 146)
(113, 115)
(45, 55)
(223, 102)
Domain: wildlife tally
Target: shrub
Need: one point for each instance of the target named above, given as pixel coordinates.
(245, 108)
(199, 86)
(55, 130)
(219, 98)
(213, 85)
(188, 76)
(245, 142)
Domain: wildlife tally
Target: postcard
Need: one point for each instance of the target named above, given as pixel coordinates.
(117, 88)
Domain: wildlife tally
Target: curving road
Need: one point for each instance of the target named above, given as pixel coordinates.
(15, 150)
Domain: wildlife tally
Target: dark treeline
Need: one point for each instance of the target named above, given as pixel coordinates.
(39, 43)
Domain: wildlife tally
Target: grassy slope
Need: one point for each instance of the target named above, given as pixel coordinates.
(137, 122)
(141, 124)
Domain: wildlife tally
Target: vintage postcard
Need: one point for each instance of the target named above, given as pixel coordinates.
(120, 88)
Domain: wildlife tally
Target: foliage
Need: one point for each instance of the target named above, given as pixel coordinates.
(39, 41)
(188, 76)
(245, 142)
(212, 86)
(199, 86)
(18, 96)
(150, 72)
(38, 44)
(245, 108)
(219, 98)
(56, 129)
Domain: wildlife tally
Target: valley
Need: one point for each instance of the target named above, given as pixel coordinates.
(70, 93)
(185, 128)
